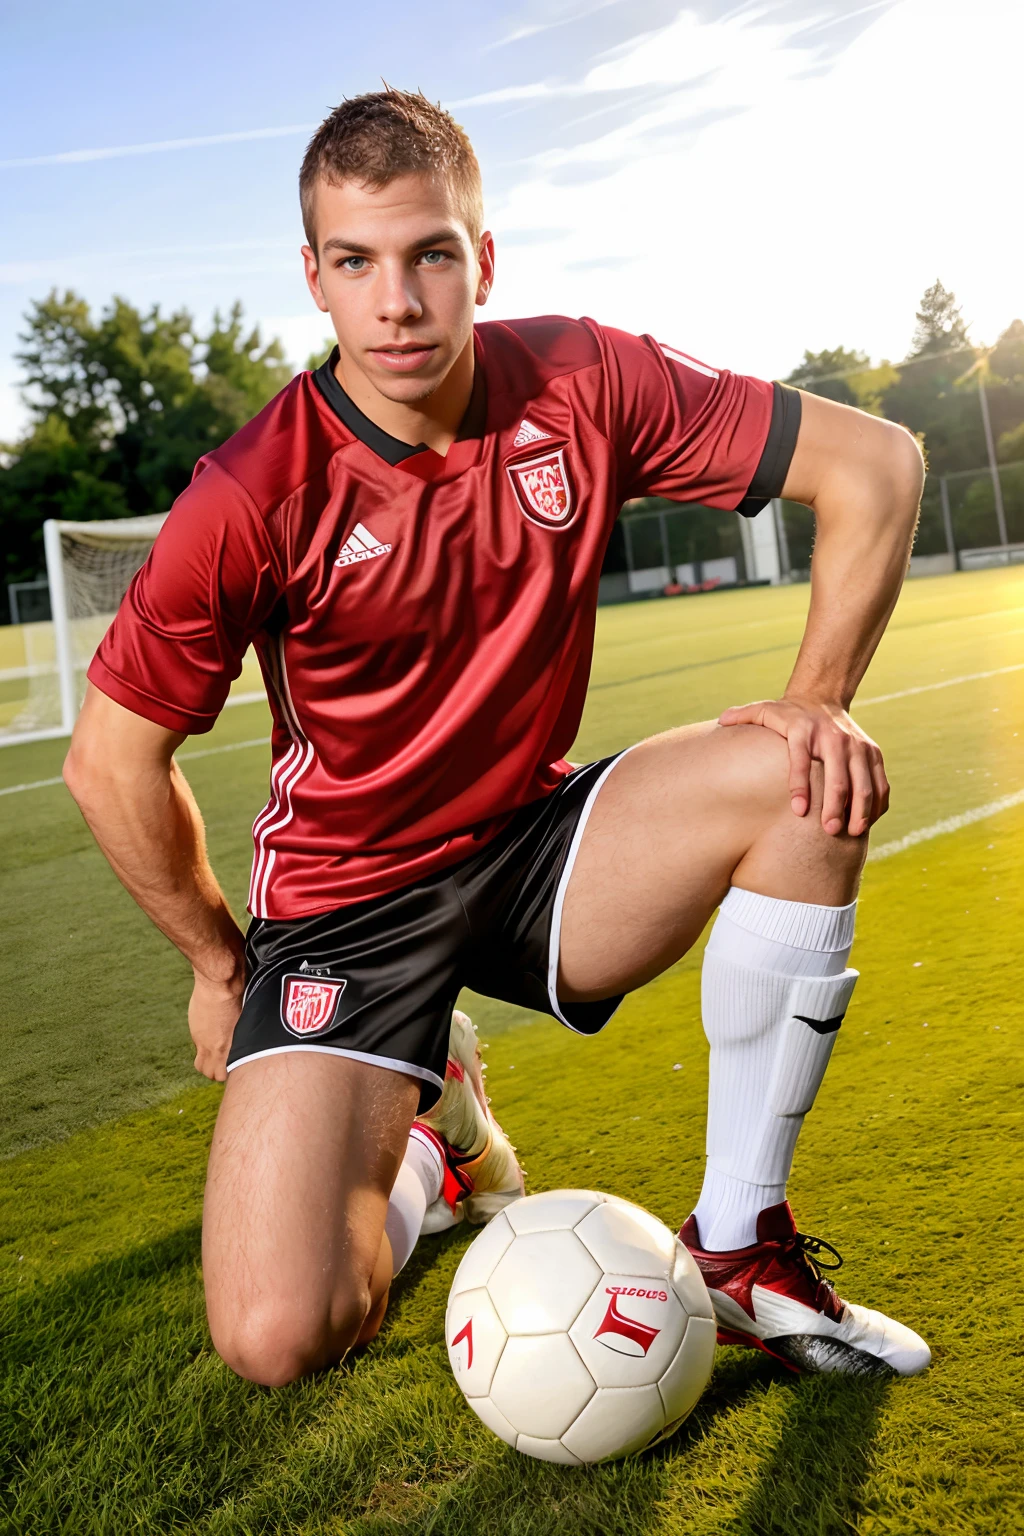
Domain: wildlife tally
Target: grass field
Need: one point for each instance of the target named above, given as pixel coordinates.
(116, 1415)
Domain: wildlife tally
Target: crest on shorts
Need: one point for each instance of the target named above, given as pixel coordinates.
(543, 489)
(309, 1004)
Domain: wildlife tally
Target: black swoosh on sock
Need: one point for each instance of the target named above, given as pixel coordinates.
(822, 1026)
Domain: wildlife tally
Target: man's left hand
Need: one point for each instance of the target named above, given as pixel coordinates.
(856, 788)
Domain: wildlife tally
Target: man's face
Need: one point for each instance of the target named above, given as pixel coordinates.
(399, 276)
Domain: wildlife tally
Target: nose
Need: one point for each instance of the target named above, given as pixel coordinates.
(398, 302)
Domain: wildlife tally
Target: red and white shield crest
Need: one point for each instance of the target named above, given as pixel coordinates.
(309, 1004)
(544, 490)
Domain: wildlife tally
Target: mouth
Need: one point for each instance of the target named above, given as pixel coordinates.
(404, 357)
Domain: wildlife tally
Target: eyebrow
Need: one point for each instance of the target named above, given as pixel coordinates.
(354, 248)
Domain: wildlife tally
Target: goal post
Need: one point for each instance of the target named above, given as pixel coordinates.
(63, 651)
(89, 566)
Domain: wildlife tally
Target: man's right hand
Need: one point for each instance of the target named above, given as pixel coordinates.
(212, 1015)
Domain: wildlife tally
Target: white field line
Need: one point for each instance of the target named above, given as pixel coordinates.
(259, 741)
(947, 682)
(883, 851)
(17, 789)
(231, 746)
(20, 674)
(950, 824)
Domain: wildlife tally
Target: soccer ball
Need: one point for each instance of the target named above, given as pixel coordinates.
(579, 1327)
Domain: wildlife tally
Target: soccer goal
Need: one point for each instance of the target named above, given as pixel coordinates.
(88, 566)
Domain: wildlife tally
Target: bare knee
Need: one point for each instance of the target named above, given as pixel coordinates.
(751, 765)
(785, 844)
(282, 1339)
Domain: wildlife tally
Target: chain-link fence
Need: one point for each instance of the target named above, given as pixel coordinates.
(965, 522)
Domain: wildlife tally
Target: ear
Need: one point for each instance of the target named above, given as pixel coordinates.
(485, 260)
(313, 277)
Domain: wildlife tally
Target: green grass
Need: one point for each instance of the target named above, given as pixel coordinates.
(116, 1415)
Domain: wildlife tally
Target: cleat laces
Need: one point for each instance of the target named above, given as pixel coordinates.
(807, 1252)
(811, 1248)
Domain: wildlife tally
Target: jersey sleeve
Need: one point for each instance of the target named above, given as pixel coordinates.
(179, 636)
(690, 432)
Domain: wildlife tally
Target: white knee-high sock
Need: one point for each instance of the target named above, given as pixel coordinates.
(418, 1185)
(774, 989)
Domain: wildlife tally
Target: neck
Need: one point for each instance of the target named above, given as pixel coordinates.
(434, 421)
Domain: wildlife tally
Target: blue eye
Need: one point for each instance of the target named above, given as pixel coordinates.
(435, 258)
(359, 261)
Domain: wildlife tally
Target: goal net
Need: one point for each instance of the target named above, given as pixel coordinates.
(89, 567)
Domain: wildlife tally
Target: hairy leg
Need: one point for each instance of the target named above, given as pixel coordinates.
(295, 1260)
(681, 818)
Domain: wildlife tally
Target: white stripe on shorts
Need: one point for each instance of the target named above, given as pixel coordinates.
(563, 885)
(336, 1050)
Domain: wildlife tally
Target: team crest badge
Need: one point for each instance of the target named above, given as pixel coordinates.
(309, 1004)
(543, 489)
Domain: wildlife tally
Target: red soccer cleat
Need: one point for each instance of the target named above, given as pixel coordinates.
(456, 1186)
(481, 1174)
(772, 1296)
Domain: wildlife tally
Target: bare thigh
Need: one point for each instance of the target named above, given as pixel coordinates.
(678, 820)
(304, 1154)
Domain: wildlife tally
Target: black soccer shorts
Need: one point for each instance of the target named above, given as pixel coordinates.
(377, 980)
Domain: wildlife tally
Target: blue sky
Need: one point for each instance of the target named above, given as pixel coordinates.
(742, 179)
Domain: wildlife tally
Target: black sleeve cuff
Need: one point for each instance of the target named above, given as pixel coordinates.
(773, 466)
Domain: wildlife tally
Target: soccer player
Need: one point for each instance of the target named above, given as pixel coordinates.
(411, 537)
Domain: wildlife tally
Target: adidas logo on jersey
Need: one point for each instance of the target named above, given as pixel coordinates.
(361, 545)
(528, 433)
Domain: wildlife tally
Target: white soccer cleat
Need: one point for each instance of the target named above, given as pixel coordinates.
(482, 1174)
(772, 1296)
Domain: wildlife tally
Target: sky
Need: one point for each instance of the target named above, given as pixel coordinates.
(742, 178)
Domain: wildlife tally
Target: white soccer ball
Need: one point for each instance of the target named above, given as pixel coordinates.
(579, 1327)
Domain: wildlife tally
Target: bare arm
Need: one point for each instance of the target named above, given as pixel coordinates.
(139, 808)
(863, 479)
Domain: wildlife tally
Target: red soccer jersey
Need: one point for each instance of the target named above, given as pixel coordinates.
(424, 624)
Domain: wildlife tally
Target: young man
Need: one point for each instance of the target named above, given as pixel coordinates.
(412, 537)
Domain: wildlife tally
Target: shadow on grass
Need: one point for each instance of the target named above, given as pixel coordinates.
(119, 1410)
(119, 1414)
(495, 1490)
(814, 1479)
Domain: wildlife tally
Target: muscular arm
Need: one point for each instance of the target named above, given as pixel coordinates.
(138, 805)
(862, 477)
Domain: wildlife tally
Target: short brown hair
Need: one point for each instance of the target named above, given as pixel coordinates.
(375, 138)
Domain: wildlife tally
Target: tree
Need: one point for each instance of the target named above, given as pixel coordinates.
(322, 353)
(121, 408)
(846, 376)
(823, 373)
(940, 325)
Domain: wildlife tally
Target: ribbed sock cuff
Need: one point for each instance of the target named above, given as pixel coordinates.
(800, 924)
(728, 1209)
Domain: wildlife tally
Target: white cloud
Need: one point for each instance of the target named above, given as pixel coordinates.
(721, 63)
(814, 215)
(157, 147)
(532, 29)
(84, 266)
(300, 334)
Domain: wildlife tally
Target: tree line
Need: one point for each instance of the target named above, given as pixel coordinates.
(936, 391)
(122, 405)
(120, 408)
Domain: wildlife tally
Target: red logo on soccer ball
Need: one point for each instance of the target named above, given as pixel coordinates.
(543, 489)
(309, 1004)
(624, 1334)
(467, 1334)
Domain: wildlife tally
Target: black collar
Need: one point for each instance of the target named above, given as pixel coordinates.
(391, 449)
